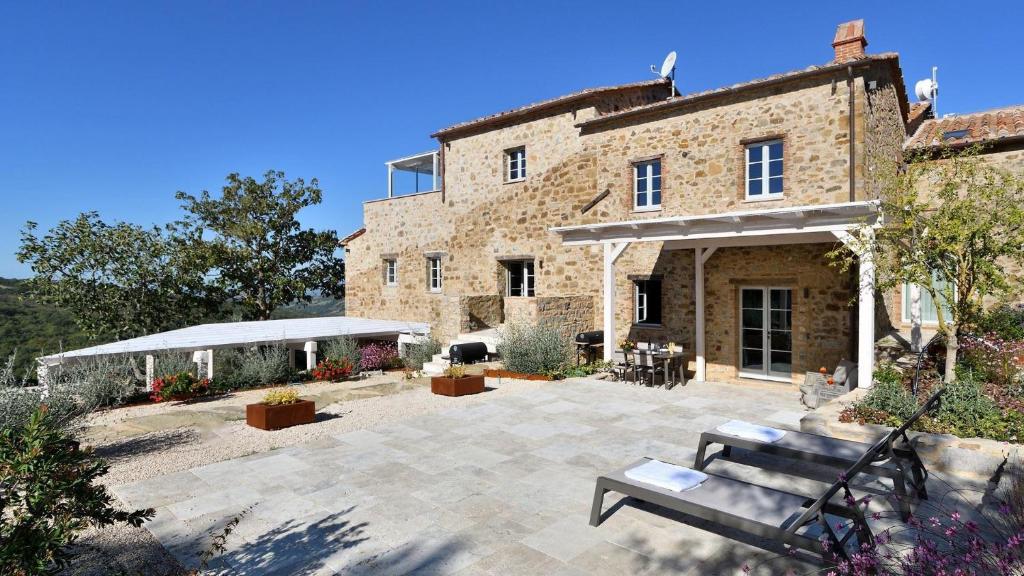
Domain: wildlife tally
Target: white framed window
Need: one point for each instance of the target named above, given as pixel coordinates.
(929, 311)
(647, 301)
(391, 272)
(764, 170)
(519, 278)
(515, 159)
(647, 185)
(434, 273)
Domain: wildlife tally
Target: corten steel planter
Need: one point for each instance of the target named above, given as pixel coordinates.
(493, 373)
(267, 417)
(456, 386)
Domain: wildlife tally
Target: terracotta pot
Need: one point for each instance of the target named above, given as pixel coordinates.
(267, 417)
(515, 375)
(456, 386)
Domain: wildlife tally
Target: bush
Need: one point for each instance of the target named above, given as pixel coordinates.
(329, 370)
(889, 395)
(533, 349)
(261, 365)
(416, 355)
(342, 348)
(994, 359)
(1004, 321)
(174, 363)
(18, 401)
(965, 409)
(280, 397)
(378, 355)
(182, 386)
(49, 493)
(99, 381)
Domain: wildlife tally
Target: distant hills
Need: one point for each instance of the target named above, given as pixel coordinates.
(35, 329)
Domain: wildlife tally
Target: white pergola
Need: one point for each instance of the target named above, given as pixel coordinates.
(294, 333)
(706, 233)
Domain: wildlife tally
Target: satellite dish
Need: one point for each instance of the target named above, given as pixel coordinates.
(669, 65)
(926, 89)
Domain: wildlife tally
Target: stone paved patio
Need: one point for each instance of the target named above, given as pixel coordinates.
(501, 487)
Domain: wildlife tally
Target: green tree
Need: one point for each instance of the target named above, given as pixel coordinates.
(117, 280)
(48, 494)
(261, 256)
(951, 224)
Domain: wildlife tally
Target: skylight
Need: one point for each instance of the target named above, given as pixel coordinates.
(954, 134)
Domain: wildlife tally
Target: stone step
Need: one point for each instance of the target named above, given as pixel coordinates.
(435, 368)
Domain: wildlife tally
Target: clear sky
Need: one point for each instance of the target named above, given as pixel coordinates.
(114, 106)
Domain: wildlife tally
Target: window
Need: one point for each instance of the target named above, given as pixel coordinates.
(929, 313)
(519, 278)
(516, 161)
(647, 298)
(764, 170)
(434, 273)
(391, 272)
(647, 185)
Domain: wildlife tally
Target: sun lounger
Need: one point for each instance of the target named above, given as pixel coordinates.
(898, 461)
(783, 517)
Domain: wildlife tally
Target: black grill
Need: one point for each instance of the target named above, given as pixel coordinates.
(467, 353)
(593, 337)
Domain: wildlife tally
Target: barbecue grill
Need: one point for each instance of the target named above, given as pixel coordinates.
(588, 344)
(467, 353)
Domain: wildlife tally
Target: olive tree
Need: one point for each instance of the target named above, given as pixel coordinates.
(951, 223)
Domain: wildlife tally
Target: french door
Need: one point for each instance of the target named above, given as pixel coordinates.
(766, 333)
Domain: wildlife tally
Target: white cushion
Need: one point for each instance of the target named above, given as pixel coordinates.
(845, 371)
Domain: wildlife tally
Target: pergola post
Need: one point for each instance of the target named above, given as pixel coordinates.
(865, 303)
(150, 372)
(700, 257)
(611, 254)
(915, 318)
(310, 349)
(209, 363)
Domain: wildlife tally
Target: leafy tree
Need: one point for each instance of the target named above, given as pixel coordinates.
(49, 493)
(261, 255)
(951, 223)
(118, 280)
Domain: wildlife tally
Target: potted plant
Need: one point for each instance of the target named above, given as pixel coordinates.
(280, 409)
(181, 386)
(455, 382)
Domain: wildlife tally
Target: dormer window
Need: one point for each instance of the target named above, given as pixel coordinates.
(515, 162)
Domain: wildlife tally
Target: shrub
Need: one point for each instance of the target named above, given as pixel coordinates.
(455, 371)
(416, 355)
(261, 365)
(342, 348)
(281, 396)
(533, 349)
(889, 395)
(994, 359)
(18, 401)
(965, 409)
(332, 370)
(182, 386)
(174, 363)
(49, 493)
(1005, 322)
(99, 381)
(378, 355)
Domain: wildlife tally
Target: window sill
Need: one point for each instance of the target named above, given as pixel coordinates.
(516, 181)
(391, 285)
(647, 209)
(433, 291)
(647, 325)
(521, 297)
(764, 199)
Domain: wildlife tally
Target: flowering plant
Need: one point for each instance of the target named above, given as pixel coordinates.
(180, 386)
(332, 370)
(378, 355)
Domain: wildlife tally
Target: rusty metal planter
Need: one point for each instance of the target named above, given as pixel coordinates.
(456, 386)
(267, 417)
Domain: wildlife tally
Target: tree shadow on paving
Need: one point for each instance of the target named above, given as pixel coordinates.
(295, 547)
(415, 557)
(144, 444)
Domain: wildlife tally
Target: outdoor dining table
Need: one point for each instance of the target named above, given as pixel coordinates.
(669, 359)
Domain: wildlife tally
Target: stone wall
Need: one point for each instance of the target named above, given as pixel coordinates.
(572, 314)
(521, 310)
(480, 312)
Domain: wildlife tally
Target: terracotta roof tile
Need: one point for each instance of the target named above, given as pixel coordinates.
(352, 236)
(582, 94)
(964, 129)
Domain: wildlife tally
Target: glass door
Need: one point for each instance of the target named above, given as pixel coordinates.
(766, 332)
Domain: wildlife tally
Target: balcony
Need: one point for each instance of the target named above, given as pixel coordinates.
(414, 174)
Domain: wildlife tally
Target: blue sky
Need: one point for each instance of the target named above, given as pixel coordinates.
(114, 106)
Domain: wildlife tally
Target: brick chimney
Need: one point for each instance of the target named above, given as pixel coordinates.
(850, 41)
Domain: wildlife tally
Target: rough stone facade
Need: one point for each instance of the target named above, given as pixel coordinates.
(480, 219)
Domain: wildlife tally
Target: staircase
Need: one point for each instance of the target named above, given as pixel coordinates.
(441, 361)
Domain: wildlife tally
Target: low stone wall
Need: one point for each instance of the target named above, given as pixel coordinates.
(974, 459)
(520, 309)
(572, 314)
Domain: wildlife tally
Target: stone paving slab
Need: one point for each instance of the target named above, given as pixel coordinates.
(502, 487)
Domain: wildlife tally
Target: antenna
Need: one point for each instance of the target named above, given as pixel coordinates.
(668, 69)
(927, 90)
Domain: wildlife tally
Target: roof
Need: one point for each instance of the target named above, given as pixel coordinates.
(680, 101)
(344, 241)
(239, 334)
(546, 104)
(1001, 124)
(748, 225)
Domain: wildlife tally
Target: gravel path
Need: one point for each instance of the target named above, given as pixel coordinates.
(127, 550)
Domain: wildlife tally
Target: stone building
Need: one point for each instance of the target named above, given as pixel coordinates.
(701, 219)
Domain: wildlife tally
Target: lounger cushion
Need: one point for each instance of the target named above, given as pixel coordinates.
(845, 371)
